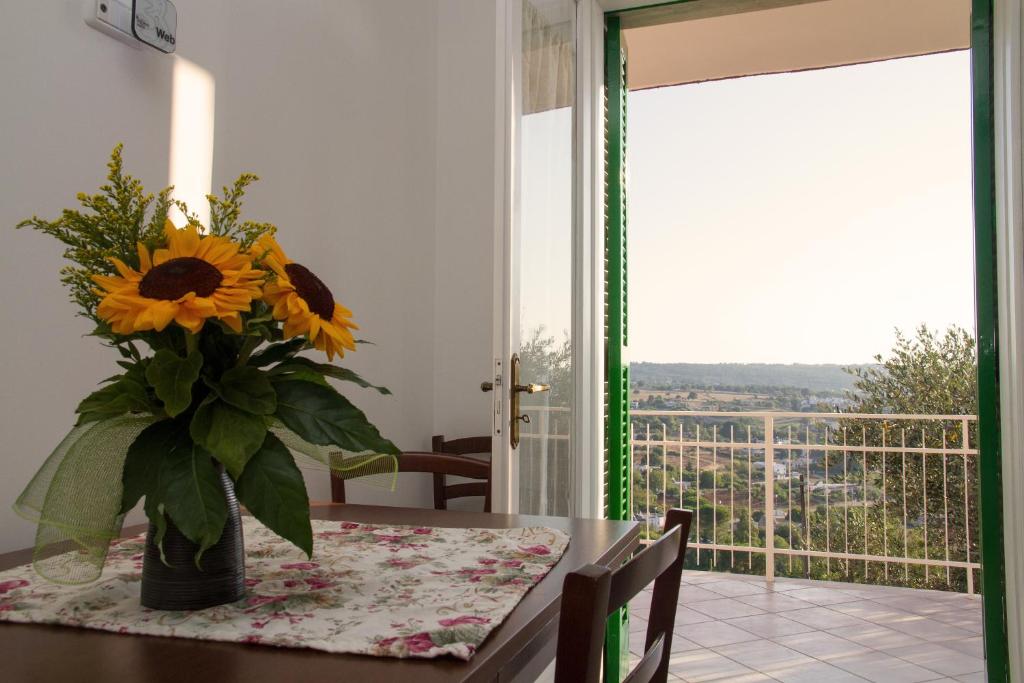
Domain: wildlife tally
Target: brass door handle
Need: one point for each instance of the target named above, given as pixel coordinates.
(515, 389)
(486, 386)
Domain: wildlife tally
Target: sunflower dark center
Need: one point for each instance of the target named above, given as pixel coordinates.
(173, 279)
(312, 290)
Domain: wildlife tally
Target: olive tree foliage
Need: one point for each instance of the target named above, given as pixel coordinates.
(548, 360)
(931, 373)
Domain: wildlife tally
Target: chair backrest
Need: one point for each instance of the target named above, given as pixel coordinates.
(592, 593)
(470, 445)
(448, 458)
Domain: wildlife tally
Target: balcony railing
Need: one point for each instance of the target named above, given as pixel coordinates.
(886, 499)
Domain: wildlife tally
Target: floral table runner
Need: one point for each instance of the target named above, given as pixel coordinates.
(396, 591)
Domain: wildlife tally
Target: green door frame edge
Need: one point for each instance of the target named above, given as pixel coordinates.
(993, 579)
(616, 340)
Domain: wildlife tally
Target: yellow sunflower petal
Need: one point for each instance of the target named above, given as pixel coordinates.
(202, 306)
(343, 318)
(234, 321)
(267, 247)
(109, 283)
(163, 313)
(145, 263)
(126, 272)
(184, 242)
(189, 320)
(281, 308)
(295, 326)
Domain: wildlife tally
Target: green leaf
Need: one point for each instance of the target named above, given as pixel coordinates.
(273, 490)
(113, 399)
(142, 463)
(275, 353)
(266, 331)
(230, 434)
(124, 395)
(247, 388)
(296, 372)
(172, 377)
(323, 416)
(347, 375)
(102, 399)
(266, 317)
(337, 372)
(192, 494)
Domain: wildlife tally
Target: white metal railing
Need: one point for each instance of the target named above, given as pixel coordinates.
(874, 498)
(545, 466)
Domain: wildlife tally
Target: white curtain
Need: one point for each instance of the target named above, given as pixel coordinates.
(548, 55)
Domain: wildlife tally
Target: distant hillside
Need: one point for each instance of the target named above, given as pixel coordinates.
(812, 377)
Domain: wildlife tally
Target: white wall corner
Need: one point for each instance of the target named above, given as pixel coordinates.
(1010, 266)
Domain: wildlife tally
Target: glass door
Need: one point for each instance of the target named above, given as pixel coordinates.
(540, 302)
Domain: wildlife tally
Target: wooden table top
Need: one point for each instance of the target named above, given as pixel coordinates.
(33, 652)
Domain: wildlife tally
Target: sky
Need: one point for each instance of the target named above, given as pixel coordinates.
(800, 218)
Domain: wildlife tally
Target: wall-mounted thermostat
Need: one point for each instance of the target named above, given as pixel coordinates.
(152, 22)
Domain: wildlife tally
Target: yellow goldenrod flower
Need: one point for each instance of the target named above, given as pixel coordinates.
(303, 302)
(193, 279)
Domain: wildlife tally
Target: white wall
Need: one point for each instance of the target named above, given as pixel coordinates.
(335, 109)
(466, 199)
(374, 165)
(70, 93)
(465, 216)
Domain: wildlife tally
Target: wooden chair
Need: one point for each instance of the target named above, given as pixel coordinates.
(472, 445)
(592, 593)
(447, 458)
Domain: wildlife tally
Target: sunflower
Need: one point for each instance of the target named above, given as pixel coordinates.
(304, 302)
(193, 279)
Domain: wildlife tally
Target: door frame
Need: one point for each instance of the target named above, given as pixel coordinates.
(999, 254)
(1007, 24)
(507, 39)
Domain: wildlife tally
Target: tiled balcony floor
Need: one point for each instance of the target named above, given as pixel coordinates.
(731, 627)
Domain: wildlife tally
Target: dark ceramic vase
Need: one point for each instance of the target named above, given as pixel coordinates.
(179, 584)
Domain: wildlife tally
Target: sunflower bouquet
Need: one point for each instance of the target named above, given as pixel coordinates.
(209, 322)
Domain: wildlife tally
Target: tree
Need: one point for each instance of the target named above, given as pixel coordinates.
(926, 375)
(546, 360)
(930, 374)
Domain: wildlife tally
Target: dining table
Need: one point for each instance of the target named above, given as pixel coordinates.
(520, 649)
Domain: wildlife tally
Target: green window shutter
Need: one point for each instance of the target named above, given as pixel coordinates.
(993, 572)
(616, 303)
(617, 455)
